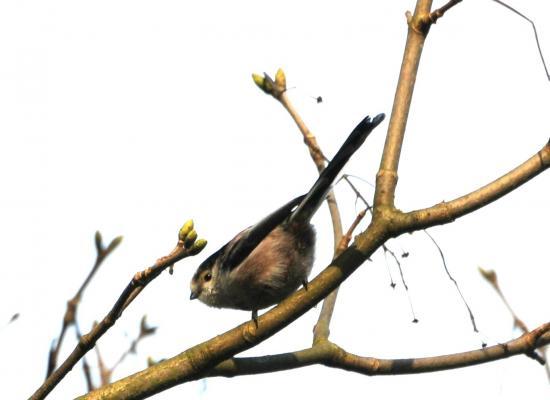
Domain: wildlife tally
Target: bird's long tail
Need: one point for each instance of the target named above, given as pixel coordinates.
(321, 187)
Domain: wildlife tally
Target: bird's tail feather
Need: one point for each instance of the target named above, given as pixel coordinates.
(313, 200)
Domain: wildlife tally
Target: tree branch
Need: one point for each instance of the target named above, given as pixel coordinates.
(187, 246)
(491, 277)
(277, 89)
(72, 305)
(331, 355)
(448, 211)
(386, 178)
(436, 14)
(321, 330)
(372, 366)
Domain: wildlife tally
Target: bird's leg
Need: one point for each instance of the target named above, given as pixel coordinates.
(255, 317)
(305, 283)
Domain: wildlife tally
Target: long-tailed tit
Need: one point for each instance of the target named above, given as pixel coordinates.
(268, 261)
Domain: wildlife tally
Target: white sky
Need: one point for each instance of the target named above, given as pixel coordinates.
(130, 117)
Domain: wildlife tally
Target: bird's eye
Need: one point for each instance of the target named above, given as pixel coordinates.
(207, 276)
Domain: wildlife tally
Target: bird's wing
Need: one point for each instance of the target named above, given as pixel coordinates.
(242, 245)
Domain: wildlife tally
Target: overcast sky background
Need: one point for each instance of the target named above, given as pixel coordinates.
(131, 117)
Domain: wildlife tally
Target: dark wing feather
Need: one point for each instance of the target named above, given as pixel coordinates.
(247, 241)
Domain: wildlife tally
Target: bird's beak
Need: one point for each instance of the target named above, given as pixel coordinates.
(194, 295)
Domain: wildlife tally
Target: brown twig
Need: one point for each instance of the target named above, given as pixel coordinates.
(386, 178)
(470, 313)
(445, 212)
(436, 14)
(321, 330)
(402, 275)
(72, 305)
(186, 246)
(13, 318)
(319, 159)
(144, 331)
(277, 88)
(104, 372)
(491, 277)
(331, 355)
(85, 366)
(515, 11)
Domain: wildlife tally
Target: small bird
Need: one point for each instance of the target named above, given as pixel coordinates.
(268, 261)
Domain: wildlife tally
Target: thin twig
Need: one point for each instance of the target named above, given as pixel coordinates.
(72, 305)
(491, 277)
(472, 318)
(436, 14)
(104, 372)
(186, 246)
(13, 318)
(144, 331)
(85, 366)
(321, 330)
(534, 31)
(386, 251)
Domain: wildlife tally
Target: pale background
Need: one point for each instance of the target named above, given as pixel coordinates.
(130, 117)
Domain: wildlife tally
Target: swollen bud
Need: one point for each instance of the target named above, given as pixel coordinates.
(280, 79)
(185, 229)
(259, 81)
(190, 239)
(489, 275)
(98, 241)
(197, 247)
(114, 243)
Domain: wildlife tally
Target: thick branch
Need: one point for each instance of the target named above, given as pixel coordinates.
(386, 179)
(448, 211)
(371, 366)
(331, 355)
